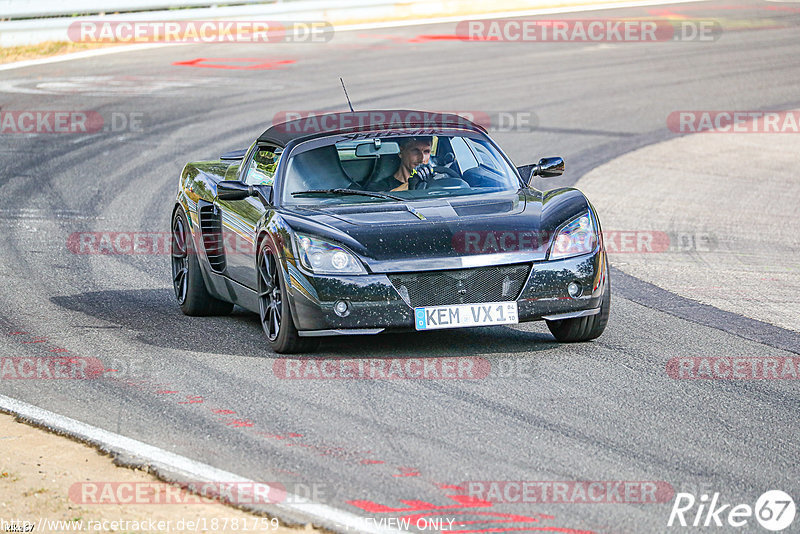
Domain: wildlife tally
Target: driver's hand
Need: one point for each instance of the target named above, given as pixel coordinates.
(422, 173)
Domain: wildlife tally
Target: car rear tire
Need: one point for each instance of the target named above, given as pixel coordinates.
(187, 280)
(583, 328)
(274, 310)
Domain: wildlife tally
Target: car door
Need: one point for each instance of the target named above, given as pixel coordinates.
(239, 217)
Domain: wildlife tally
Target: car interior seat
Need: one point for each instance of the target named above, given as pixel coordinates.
(320, 168)
(386, 166)
(360, 170)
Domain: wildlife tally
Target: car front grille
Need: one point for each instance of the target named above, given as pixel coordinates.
(461, 286)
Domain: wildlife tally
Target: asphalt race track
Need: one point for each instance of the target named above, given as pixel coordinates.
(205, 388)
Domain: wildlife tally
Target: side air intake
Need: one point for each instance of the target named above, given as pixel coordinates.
(211, 229)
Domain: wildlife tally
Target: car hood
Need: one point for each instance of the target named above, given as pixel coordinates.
(499, 228)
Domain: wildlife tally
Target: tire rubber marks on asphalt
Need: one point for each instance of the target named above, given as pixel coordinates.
(234, 420)
(55, 365)
(107, 85)
(470, 509)
(37, 339)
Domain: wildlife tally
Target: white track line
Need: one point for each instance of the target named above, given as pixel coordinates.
(296, 508)
(513, 14)
(367, 26)
(81, 55)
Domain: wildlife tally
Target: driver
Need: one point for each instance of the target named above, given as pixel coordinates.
(415, 153)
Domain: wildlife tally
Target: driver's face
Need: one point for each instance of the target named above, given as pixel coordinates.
(414, 154)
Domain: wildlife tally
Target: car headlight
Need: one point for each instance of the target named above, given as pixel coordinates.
(321, 257)
(577, 237)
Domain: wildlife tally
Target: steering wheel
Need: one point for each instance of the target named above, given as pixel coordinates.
(447, 170)
(438, 170)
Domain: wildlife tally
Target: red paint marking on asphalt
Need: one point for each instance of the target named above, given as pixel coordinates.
(666, 13)
(407, 472)
(515, 529)
(426, 38)
(247, 423)
(465, 505)
(450, 486)
(416, 506)
(36, 339)
(240, 423)
(263, 65)
(278, 436)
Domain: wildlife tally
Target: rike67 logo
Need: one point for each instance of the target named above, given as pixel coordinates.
(774, 510)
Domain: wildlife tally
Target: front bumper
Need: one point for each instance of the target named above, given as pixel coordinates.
(376, 305)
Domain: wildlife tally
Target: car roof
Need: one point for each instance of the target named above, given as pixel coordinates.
(309, 125)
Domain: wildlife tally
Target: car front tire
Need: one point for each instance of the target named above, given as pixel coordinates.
(583, 328)
(187, 280)
(274, 310)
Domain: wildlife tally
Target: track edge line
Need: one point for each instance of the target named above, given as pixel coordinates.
(298, 509)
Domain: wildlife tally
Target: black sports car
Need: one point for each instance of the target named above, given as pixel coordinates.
(359, 223)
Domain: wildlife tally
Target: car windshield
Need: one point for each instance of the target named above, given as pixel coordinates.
(336, 170)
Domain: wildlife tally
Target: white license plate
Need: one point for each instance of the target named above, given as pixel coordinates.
(465, 315)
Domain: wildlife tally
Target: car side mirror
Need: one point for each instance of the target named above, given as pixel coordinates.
(549, 167)
(233, 190)
(238, 190)
(546, 168)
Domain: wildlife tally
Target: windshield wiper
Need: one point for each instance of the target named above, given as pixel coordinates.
(340, 191)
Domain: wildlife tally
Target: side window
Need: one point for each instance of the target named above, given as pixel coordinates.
(485, 157)
(464, 157)
(262, 166)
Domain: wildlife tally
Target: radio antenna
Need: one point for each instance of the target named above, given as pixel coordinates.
(346, 95)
